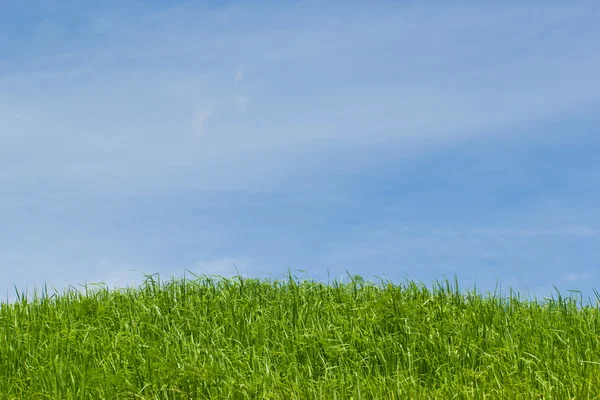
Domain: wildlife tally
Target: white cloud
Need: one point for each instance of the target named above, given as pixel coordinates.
(68, 274)
(241, 102)
(579, 276)
(238, 101)
(69, 262)
(225, 267)
(239, 75)
(203, 117)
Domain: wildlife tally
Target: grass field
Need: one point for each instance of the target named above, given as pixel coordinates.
(213, 338)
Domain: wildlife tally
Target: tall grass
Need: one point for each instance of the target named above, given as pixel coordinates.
(212, 338)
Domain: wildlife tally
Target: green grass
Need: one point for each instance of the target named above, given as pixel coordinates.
(213, 338)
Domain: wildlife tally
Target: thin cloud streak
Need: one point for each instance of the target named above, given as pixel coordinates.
(474, 99)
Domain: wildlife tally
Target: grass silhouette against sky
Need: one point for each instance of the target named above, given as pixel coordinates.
(209, 338)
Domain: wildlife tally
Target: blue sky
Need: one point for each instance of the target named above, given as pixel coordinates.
(389, 139)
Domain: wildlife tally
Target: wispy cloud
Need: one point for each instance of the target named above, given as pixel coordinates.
(121, 85)
(237, 101)
(575, 230)
(580, 276)
(203, 117)
(239, 74)
(227, 267)
(241, 102)
(137, 139)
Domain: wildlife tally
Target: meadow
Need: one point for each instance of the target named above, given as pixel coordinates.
(241, 338)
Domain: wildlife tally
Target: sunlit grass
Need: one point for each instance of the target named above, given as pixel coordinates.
(240, 338)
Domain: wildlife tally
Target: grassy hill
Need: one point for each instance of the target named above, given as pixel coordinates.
(212, 338)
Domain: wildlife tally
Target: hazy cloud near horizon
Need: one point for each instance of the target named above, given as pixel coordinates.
(388, 139)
